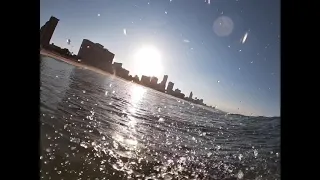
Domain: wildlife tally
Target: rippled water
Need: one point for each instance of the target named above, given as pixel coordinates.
(96, 126)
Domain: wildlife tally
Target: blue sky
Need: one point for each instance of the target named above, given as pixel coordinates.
(237, 77)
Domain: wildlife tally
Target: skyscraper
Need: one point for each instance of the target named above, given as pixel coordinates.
(154, 81)
(170, 87)
(190, 96)
(46, 31)
(145, 80)
(164, 82)
(96, 55)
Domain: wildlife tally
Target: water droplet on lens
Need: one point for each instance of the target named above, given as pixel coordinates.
(240, 156)
(240, 174)
(255, 153)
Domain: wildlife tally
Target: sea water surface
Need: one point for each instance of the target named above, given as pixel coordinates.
(96, 126)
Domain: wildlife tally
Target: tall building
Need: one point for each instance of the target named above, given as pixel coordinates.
(119, 71)
(46, 31)
(177, 91)
(190, 96)
(170, 87)
(145, 80)
(96, 55)
(164, 82)
(117, 65)
(154, 81)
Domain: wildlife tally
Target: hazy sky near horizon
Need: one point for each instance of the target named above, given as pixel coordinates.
(239, 72)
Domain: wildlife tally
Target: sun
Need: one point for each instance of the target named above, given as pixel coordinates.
(147, 61)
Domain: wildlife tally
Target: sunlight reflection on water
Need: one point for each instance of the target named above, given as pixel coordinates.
(136, 132)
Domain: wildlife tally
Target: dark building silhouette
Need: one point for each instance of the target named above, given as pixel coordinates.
(163, 82)
(190, 96)
(124, 73)
(136, 79)
(170, 87)
(154, 81)
(117, 65)
(145, 80)
(96, 55)
(46, 31)
(119, 71)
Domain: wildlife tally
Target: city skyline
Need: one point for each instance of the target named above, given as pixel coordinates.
(96, 55)
(223, 81)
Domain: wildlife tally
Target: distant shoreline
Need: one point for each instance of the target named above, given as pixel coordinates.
(72, 62)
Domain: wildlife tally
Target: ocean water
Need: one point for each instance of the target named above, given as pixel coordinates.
(96, 126)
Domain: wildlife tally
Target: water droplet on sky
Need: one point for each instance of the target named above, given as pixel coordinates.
(166, 12)
(223, 26)
(124, 31)
(244, 38)
(98, 14)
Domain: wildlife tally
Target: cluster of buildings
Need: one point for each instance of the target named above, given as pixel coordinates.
(94, 54)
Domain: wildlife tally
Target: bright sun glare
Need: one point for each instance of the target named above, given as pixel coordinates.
(147, 61)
